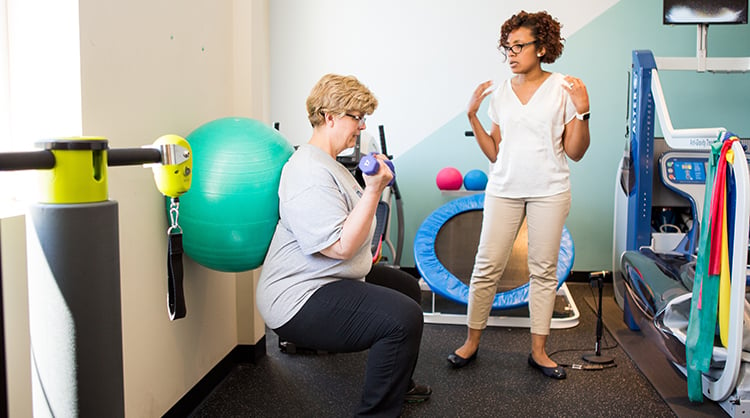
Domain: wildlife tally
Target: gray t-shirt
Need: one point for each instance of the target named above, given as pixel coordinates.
(316, 194)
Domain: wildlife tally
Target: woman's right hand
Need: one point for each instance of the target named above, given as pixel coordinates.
(478, 96)
(488, 142)
(379, 181)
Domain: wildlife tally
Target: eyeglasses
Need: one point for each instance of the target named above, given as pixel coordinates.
(360, 119)
(515, 49)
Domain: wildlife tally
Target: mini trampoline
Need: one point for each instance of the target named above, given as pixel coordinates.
(444, 250)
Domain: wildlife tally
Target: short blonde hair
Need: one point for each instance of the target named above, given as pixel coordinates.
(337, 95)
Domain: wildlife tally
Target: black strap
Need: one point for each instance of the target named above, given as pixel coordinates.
(176, 294)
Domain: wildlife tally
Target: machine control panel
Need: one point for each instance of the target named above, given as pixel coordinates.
(685, 172)
(690, 170)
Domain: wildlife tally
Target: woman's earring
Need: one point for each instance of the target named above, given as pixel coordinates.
(539, 55)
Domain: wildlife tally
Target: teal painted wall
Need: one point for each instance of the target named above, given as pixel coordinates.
(599, 54)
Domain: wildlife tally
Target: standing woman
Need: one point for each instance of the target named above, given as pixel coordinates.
(318, 287)
(539, 120)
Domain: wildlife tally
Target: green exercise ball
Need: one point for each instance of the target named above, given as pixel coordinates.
(230, 212)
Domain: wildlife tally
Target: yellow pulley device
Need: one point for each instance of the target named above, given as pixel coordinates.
(174, 175)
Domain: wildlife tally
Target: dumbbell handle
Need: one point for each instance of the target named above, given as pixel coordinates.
(370, 165)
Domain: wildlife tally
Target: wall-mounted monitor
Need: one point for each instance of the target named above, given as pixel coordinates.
(683, 12)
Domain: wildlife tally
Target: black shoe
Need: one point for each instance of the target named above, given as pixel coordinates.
(556, 372)
(417, 393)
(457, 361)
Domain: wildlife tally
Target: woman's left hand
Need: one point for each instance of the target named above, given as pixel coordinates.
(578, 94)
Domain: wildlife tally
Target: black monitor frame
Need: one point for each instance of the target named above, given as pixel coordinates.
(705, 6)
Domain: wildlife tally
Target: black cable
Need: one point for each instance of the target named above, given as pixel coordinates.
(589, 367)
(580, 366)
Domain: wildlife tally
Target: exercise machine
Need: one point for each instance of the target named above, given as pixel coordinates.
(74, 281)
(660, 196)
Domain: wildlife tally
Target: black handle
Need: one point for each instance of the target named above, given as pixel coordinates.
(31, 160)
(133, 156)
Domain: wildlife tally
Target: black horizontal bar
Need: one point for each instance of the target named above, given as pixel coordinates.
(27, 160)
(133, 156)
(39, 160)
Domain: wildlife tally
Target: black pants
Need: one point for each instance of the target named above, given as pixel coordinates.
(382, 315)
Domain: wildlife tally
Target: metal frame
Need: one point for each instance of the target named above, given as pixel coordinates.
(571, 321)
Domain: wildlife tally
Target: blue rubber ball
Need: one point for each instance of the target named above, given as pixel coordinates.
(229, 215)
(475, 180)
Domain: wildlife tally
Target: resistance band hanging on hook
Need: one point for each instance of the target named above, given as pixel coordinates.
(173, 178)
(175, 291)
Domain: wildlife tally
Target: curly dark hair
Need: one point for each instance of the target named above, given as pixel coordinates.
(545, 28)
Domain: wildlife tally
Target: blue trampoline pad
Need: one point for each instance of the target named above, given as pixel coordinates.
(446, 284)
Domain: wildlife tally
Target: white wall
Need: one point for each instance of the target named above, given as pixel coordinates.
(421, 59)
(252, 91)
(16, 311)
(148, 68)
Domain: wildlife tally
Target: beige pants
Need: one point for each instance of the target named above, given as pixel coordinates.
(502, 220)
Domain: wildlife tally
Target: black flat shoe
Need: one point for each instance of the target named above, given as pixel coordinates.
(457, 361)
(418, 393)
(556, 372)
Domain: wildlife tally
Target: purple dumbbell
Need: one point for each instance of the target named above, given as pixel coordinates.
(370, 165)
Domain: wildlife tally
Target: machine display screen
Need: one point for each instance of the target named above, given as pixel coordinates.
(705, 11)
(687, 170)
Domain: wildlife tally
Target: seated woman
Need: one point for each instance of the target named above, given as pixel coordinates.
(312, 289)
